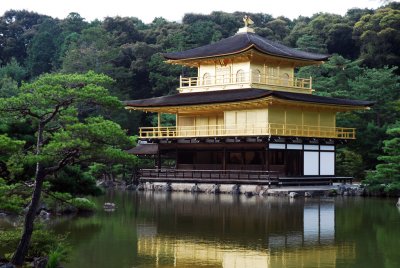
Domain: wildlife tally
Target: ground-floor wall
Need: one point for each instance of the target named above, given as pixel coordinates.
(289, 159)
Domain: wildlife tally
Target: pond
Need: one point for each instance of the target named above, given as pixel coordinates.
(154, 229)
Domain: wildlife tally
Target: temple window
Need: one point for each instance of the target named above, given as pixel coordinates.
(206, 79)
(240, 76)
(285, 79)
(256, 76)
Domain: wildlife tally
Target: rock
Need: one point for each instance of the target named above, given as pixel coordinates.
(259, 188)
(215, 189)
(149, 186)
(26, 209)
(109, 207)
(332, 193)
(398, 202)
(293, 194)
(7, 265)
(131, 187)
(106, 184)
(307, 194)
(235, 189)
(248, 194)
(44, 215)
(167, 188)
(2, 215)
(158, 188)
(195, 189)
(40, 262)
(140, 187)
(360, 192)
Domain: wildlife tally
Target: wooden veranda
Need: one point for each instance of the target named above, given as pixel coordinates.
(233, 177)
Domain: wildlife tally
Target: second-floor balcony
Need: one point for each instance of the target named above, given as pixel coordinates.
(210, 131)
(245, 80)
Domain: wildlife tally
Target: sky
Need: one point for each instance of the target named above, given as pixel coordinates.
(174, 10)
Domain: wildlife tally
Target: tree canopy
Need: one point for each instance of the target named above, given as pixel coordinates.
(60, 108)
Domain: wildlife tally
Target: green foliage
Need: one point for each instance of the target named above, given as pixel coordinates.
(163, 77)
(279, 28)
(332, 78)
(380, 85)
(42, 242)
(59, 103)
(13, 70)
(123, 30)
(75, 180)
(56, 256)
(166, 120)
(17, 28)
(58, 202)
(8, 87)
(8, 147)
(349, 163)
(12, 197)
(387, 173)
(92, 50)
(311, 44)
(83, 204)
(48, 35)
(378, 35)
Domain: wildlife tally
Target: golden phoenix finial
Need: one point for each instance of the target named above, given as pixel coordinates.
(247, 21)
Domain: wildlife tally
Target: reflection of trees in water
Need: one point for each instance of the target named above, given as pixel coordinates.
(106, 239)
(374, 226)
(84, 227)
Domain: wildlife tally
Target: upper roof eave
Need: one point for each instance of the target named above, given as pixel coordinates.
(243, 42)
(195, 59)
(240, 95)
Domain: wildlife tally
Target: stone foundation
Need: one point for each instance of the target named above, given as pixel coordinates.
(204, 188)
(250, 190)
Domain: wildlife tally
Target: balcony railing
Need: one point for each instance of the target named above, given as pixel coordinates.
(251, 78)
(247, 130)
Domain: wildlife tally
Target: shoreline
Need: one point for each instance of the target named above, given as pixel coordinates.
(252, 190)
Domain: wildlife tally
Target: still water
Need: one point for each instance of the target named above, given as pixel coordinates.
(151, 229)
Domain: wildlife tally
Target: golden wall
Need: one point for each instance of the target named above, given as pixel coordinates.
(301, 117)
(205, 124)
(272, 69)
(255, 121)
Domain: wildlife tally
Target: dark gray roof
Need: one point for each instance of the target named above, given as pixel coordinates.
(241, 42)
(144, 149)
(234, 95)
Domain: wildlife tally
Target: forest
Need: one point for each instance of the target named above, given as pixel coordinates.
(62, 80)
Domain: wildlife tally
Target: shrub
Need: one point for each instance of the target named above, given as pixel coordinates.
(42, 242)
(56, 256)
(55, 203)
(83, 204)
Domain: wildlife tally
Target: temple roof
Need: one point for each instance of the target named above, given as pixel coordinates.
(241, 42)
(144, 149)
(235, 95)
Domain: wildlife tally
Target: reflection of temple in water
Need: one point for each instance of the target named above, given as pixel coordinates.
(233, 231)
